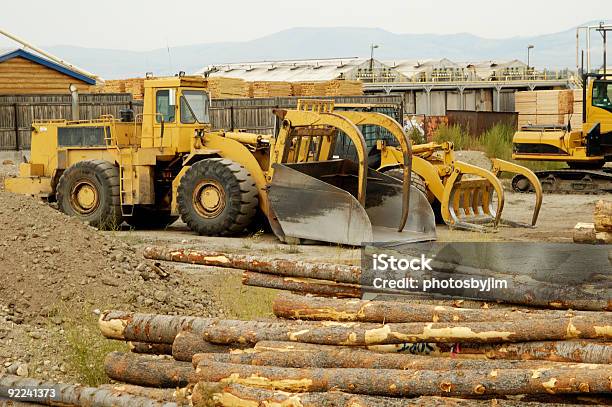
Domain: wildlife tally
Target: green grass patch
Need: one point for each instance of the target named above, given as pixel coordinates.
(240, 301)
(86, 349)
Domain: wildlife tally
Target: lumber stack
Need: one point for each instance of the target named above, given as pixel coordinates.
(267, 89)
(333, 351)
(329, 357)
(135, 86)
(345, 281)
(227, 88)
(600, 231)
(545, 107)
(328, 88)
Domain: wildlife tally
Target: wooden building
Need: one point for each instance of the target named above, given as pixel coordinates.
(23, 72)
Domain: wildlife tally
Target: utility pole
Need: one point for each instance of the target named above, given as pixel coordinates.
(372, 48)
(603, 31)
(529, 48)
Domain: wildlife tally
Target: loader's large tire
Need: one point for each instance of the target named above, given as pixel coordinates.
(217, 197)
(89, 191)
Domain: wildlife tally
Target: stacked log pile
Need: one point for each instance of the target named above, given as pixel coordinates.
(227, 88)
(328, 88)
(333, 351)
(135, 86)
(600, 231)
(267, 89)
(541, 107)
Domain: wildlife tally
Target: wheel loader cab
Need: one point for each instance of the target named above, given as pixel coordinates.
(175, 110)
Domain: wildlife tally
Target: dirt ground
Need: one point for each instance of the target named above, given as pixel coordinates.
(56, 274)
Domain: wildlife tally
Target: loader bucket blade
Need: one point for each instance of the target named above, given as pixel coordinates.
(316, 201)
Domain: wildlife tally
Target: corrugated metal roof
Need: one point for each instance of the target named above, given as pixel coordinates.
(289, 71)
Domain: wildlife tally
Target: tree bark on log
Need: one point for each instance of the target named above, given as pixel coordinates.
(67, 394)
(186, 344)
(408, 383)
(151, 328)
(345, 357)
(150, 348)
(603, 216)
(292, 306)
(147, 371)
(154, 394)
(301, 284)
(281, 267)
(362, 334)
(587, 233)
(236, 395)
(556, 351)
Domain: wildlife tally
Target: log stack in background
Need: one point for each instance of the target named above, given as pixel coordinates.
(600, 231)
(268, 89)
(227, 88)
(328, 88)
(326, 351)
(135, 86)
(554, 107)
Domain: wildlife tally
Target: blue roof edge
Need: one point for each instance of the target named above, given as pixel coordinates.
(49, 64)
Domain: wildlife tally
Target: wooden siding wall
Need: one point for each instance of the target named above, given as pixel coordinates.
(21, 76)
(253, 115)
(18, 111)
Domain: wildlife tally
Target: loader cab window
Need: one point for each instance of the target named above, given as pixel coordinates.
(165, 106)
(194, 107)
(602, 95)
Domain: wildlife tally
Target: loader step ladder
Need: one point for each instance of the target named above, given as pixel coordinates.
(126, 181)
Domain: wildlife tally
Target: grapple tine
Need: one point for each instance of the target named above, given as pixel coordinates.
(505, 166)
(492, 179)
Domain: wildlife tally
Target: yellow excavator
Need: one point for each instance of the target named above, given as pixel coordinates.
(149, 169)
(463, 196)
(585, 150)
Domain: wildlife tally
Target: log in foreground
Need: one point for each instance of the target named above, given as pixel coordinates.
(557, 351)
(73, 395)
(151, 328)
(346, 357)
(151, 348)
(603, 216)
(409, 383)
(361, 334)
(293, 306)
(302, 285)
(186, 344)
(237, 395)
(155, 394)
(281, 267)
(147, 371)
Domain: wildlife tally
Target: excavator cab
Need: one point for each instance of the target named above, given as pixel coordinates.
(316, 195)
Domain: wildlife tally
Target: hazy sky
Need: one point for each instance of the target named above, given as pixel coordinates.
(142, 25)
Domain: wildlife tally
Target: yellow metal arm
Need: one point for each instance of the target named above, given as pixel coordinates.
(505, 166)
(386, 122)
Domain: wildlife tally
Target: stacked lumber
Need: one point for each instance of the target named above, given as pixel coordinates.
(328, 350)
(345, 281)
(600, 231)
(319, 352)
(328, 88)
(268, 89)
(135, 86)
(544, 106)
(227, 88)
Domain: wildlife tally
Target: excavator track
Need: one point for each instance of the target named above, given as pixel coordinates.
(568, 181)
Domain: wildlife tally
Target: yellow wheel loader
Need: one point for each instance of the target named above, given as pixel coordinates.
(464, 196)
(149, 169)
(585, 150)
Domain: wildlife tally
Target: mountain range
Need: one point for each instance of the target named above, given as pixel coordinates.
(552, 51)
